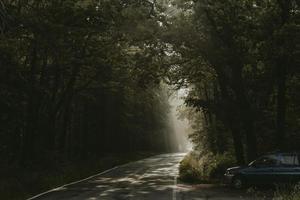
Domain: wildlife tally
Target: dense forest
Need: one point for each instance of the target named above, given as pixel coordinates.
(240, 61)
(81, 78)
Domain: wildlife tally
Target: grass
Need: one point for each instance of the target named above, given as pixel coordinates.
(280, 192)
(287, 192)
(19, 183)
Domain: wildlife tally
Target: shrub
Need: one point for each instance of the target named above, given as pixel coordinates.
(220, 164)
(204, 167)
(188, 169)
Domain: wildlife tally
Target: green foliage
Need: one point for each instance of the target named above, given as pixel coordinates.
(238, 60)
(219, 165)
(204, 167)
(79, 78)
(189, 169)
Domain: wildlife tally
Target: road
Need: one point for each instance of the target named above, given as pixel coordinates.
(154, 178)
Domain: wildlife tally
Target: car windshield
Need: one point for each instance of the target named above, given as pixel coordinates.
(265, 161)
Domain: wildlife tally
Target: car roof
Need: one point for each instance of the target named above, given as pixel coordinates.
(282, 153)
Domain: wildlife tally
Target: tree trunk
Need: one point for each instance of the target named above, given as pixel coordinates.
(238, 145)
(281, 105)
(31, 110)
(285, 6)
(245, 110)
(230, 118)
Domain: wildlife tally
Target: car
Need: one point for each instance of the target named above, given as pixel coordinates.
(268, 169)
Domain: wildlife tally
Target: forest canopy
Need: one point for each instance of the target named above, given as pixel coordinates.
(87, 77)
(80, 78)
(240, 61)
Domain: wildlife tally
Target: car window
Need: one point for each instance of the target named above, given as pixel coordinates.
(265, 161)
(289, 159)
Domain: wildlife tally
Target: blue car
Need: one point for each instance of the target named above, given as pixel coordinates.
(269, 169)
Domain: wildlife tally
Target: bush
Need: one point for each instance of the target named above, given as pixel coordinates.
(220, 164)
(188, 169)
(208, 167)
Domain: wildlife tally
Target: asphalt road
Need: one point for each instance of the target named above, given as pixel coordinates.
(154, 178)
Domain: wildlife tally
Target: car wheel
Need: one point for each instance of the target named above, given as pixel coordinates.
(238, 182)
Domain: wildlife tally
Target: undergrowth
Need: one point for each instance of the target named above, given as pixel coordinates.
(204, 168)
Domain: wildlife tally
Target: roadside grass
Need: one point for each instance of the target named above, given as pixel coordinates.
(277, 192)
(261, 193)
(21, 183)
(287, 192)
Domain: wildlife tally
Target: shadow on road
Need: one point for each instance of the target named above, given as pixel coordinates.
(154, 178)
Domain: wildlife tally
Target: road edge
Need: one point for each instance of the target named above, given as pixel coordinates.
(90, 177)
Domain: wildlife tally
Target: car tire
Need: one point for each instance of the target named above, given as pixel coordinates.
(238, 182)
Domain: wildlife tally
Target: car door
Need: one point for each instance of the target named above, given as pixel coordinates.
(297, 174)
(261, 170)
(289, 169)
(297, 168)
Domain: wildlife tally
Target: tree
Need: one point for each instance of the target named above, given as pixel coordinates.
(229, 41)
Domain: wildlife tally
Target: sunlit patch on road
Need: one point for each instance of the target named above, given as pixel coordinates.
(149, 179)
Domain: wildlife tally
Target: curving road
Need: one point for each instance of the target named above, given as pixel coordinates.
(153, 178)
